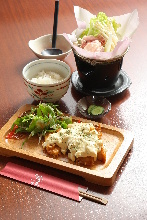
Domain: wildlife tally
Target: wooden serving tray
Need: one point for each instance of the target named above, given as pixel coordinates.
(118, 142)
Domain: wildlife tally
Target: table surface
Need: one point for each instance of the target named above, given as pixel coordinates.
(21, 21)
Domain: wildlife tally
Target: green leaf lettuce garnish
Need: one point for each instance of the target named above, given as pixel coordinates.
(44, 118)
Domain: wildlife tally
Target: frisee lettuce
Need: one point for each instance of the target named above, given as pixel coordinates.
(46, 117)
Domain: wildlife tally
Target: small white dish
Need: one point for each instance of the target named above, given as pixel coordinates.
(45, 42)
(84, 104)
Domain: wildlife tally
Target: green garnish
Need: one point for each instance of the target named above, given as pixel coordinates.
(46, 117)
(95, 110)
(90, 108)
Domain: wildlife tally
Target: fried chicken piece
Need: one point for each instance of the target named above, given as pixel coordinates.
(98, 128)
(102, 155)
(53, 150)
(87, 161)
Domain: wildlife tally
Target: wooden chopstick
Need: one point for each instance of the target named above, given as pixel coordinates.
(93, 198)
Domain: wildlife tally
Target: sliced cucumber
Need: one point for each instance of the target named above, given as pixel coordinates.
(90, 108)
(95, 110)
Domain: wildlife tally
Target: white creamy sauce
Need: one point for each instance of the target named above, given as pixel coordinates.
(48, 77)
(81, 139)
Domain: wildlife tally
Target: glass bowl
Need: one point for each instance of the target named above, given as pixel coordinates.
(86, 104)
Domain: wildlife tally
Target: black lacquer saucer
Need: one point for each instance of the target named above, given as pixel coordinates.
(121, 84)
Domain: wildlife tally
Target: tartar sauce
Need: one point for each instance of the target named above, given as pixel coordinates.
(80, 139)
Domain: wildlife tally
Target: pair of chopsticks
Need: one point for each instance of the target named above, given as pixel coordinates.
(93, 198)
